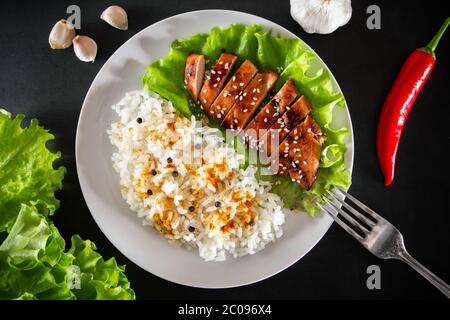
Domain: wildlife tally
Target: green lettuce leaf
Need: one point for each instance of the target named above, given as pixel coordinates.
(291, 60)
(27, 174)
(33, 261)
(34, 264)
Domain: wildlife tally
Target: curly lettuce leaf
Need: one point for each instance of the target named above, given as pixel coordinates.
(291, 60)
(35, 265)
(27, 174)
(33, 261)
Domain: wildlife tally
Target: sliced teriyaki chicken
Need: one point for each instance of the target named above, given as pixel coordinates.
(270, 113)
(194, 72)
(247, 103)
(230, 93)
(283, 125)
(299, 153)
(216, 79)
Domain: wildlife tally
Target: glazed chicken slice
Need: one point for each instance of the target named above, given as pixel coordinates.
(299, 154)
(216, 79)
(194, 72)
(283, 125)
(270, 113)
(230, 93)
(247, 103)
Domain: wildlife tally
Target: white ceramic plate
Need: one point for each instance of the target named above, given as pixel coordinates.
(100, 184)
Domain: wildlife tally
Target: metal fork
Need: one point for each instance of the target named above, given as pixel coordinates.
(376, 234)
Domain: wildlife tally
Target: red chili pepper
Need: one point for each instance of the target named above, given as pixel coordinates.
(397, 106)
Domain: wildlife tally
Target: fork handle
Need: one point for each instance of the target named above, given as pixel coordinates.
(427, 274)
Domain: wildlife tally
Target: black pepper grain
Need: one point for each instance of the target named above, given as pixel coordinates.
(153, 172)
(252, 223)
(169, 160)
(175, 174)
(191, 229)
(198, 146)
(139, 120)
(217, 204)
(191, 208)
(149, 192)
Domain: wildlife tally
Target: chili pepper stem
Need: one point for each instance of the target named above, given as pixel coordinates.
(431, 46)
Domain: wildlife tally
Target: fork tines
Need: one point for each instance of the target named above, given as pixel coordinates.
(358, 220)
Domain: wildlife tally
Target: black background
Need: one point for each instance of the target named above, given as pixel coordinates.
(51, 84)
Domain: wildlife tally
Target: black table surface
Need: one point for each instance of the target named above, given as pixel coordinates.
(50, 85)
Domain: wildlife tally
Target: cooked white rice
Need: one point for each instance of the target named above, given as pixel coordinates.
(209, 203)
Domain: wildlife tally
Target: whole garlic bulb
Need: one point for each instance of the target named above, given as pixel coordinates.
(85, 48)
(61, 35)
(321, 16)
(115, 16)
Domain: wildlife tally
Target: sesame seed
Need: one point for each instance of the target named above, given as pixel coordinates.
(257, 90)
(185, 81)
(204, 90)
(304, 162)
(254, 90)
(213, 72)
(240, 98)
(215, 85)
(265, 120)
(236, 121)
(255, 99)
(218, 79)
(286, 155)
(293, 180)
(259, 80)
(236, 97)
(219, 72)
(212, 112)
(296, 138)
(220, 62)
(253, 103)
(234, 86)
(244, 94)
(309, 130)
(219, 116)
(245, 110)
(286, 130)
(241, 84)
(204, 100)
(234, 78)
(267, 111)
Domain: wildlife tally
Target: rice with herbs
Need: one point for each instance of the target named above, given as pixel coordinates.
(182, 179)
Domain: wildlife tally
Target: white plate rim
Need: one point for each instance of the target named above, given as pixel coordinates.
(349, 154)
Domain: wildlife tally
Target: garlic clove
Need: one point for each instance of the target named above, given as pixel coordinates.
(85, 48)
(321, 16)
(61, 35)
(115, 16)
